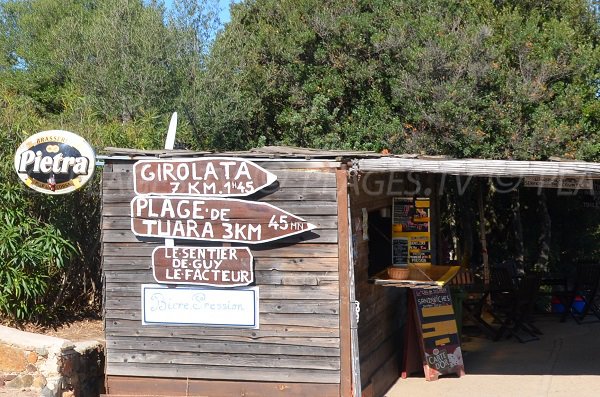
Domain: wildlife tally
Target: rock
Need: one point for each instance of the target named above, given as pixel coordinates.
(11, 359)
(74, 379)
(32, 357)
(6, 377)
(42, 351)
(40, 381)
(31, 368)
(68, 393)
(47, 392)
(67, 365)
(20, 382)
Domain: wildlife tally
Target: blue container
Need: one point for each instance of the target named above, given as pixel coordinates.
(576, 307)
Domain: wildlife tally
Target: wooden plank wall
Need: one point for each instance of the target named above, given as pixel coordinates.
(382, 309)
(298, 342)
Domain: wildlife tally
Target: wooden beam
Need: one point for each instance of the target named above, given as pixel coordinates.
(482, 167)
(121, 386)
(344, 284)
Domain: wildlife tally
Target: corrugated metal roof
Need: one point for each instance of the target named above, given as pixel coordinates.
(479, 167)
(376, 162)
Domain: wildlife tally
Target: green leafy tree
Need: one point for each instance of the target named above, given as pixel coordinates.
(493, 79)
(124, 63)
(195, 24)
(34, 252)
(110, 71)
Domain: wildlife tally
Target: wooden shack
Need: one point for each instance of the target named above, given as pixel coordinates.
(302, 345)
(321, 326)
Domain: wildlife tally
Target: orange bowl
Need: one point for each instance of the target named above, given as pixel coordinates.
(398, 273)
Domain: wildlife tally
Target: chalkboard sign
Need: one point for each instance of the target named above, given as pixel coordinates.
(438, 333)
(400, 251)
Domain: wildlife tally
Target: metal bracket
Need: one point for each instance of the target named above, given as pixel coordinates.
(355, 310)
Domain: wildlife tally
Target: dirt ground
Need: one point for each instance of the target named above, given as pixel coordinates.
(5, 392)
(76, 331)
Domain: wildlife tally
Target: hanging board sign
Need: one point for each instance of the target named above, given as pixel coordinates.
(200, 306)
(211, 266)
(436, 326)
(212, 219)
(559, 182)
(208, 176)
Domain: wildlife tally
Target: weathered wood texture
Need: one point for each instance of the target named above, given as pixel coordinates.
(297, 345)
(345, 322)
(127, 386)
(381, 308)
(481, 167)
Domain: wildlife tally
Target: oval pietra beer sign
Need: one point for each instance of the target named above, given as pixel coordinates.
(55, 162)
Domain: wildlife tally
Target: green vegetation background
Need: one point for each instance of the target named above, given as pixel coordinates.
(465, 78)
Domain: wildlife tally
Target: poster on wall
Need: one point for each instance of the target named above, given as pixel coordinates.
(411, 239)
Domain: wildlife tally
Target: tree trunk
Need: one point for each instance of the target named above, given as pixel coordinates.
(482, 233)
(517, 227)
(545, 233)
(465, 227)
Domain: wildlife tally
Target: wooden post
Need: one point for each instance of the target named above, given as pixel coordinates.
(437, 257)
(484, 253)
(170, 144)
(344, 281)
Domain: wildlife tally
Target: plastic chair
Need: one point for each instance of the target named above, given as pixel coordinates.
(585, 286)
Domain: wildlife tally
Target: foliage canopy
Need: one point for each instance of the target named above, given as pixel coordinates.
(476, 78)
(110, 71)
(464, 78)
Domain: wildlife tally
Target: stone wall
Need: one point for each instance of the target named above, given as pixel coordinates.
(49, 366)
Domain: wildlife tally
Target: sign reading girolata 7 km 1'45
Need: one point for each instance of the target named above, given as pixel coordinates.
(212, 219)
(208, 176)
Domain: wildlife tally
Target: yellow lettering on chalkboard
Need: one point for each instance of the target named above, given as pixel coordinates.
(437, 311)
(432, 330)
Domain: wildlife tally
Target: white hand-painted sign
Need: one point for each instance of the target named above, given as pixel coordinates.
(200, 306)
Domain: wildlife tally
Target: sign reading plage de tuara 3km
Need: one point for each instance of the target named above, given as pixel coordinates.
(212, 219)
(55, 162)
(191, 199)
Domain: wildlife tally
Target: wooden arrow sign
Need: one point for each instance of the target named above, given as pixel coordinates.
(212, 219)
(213, 266)
(208, 176)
